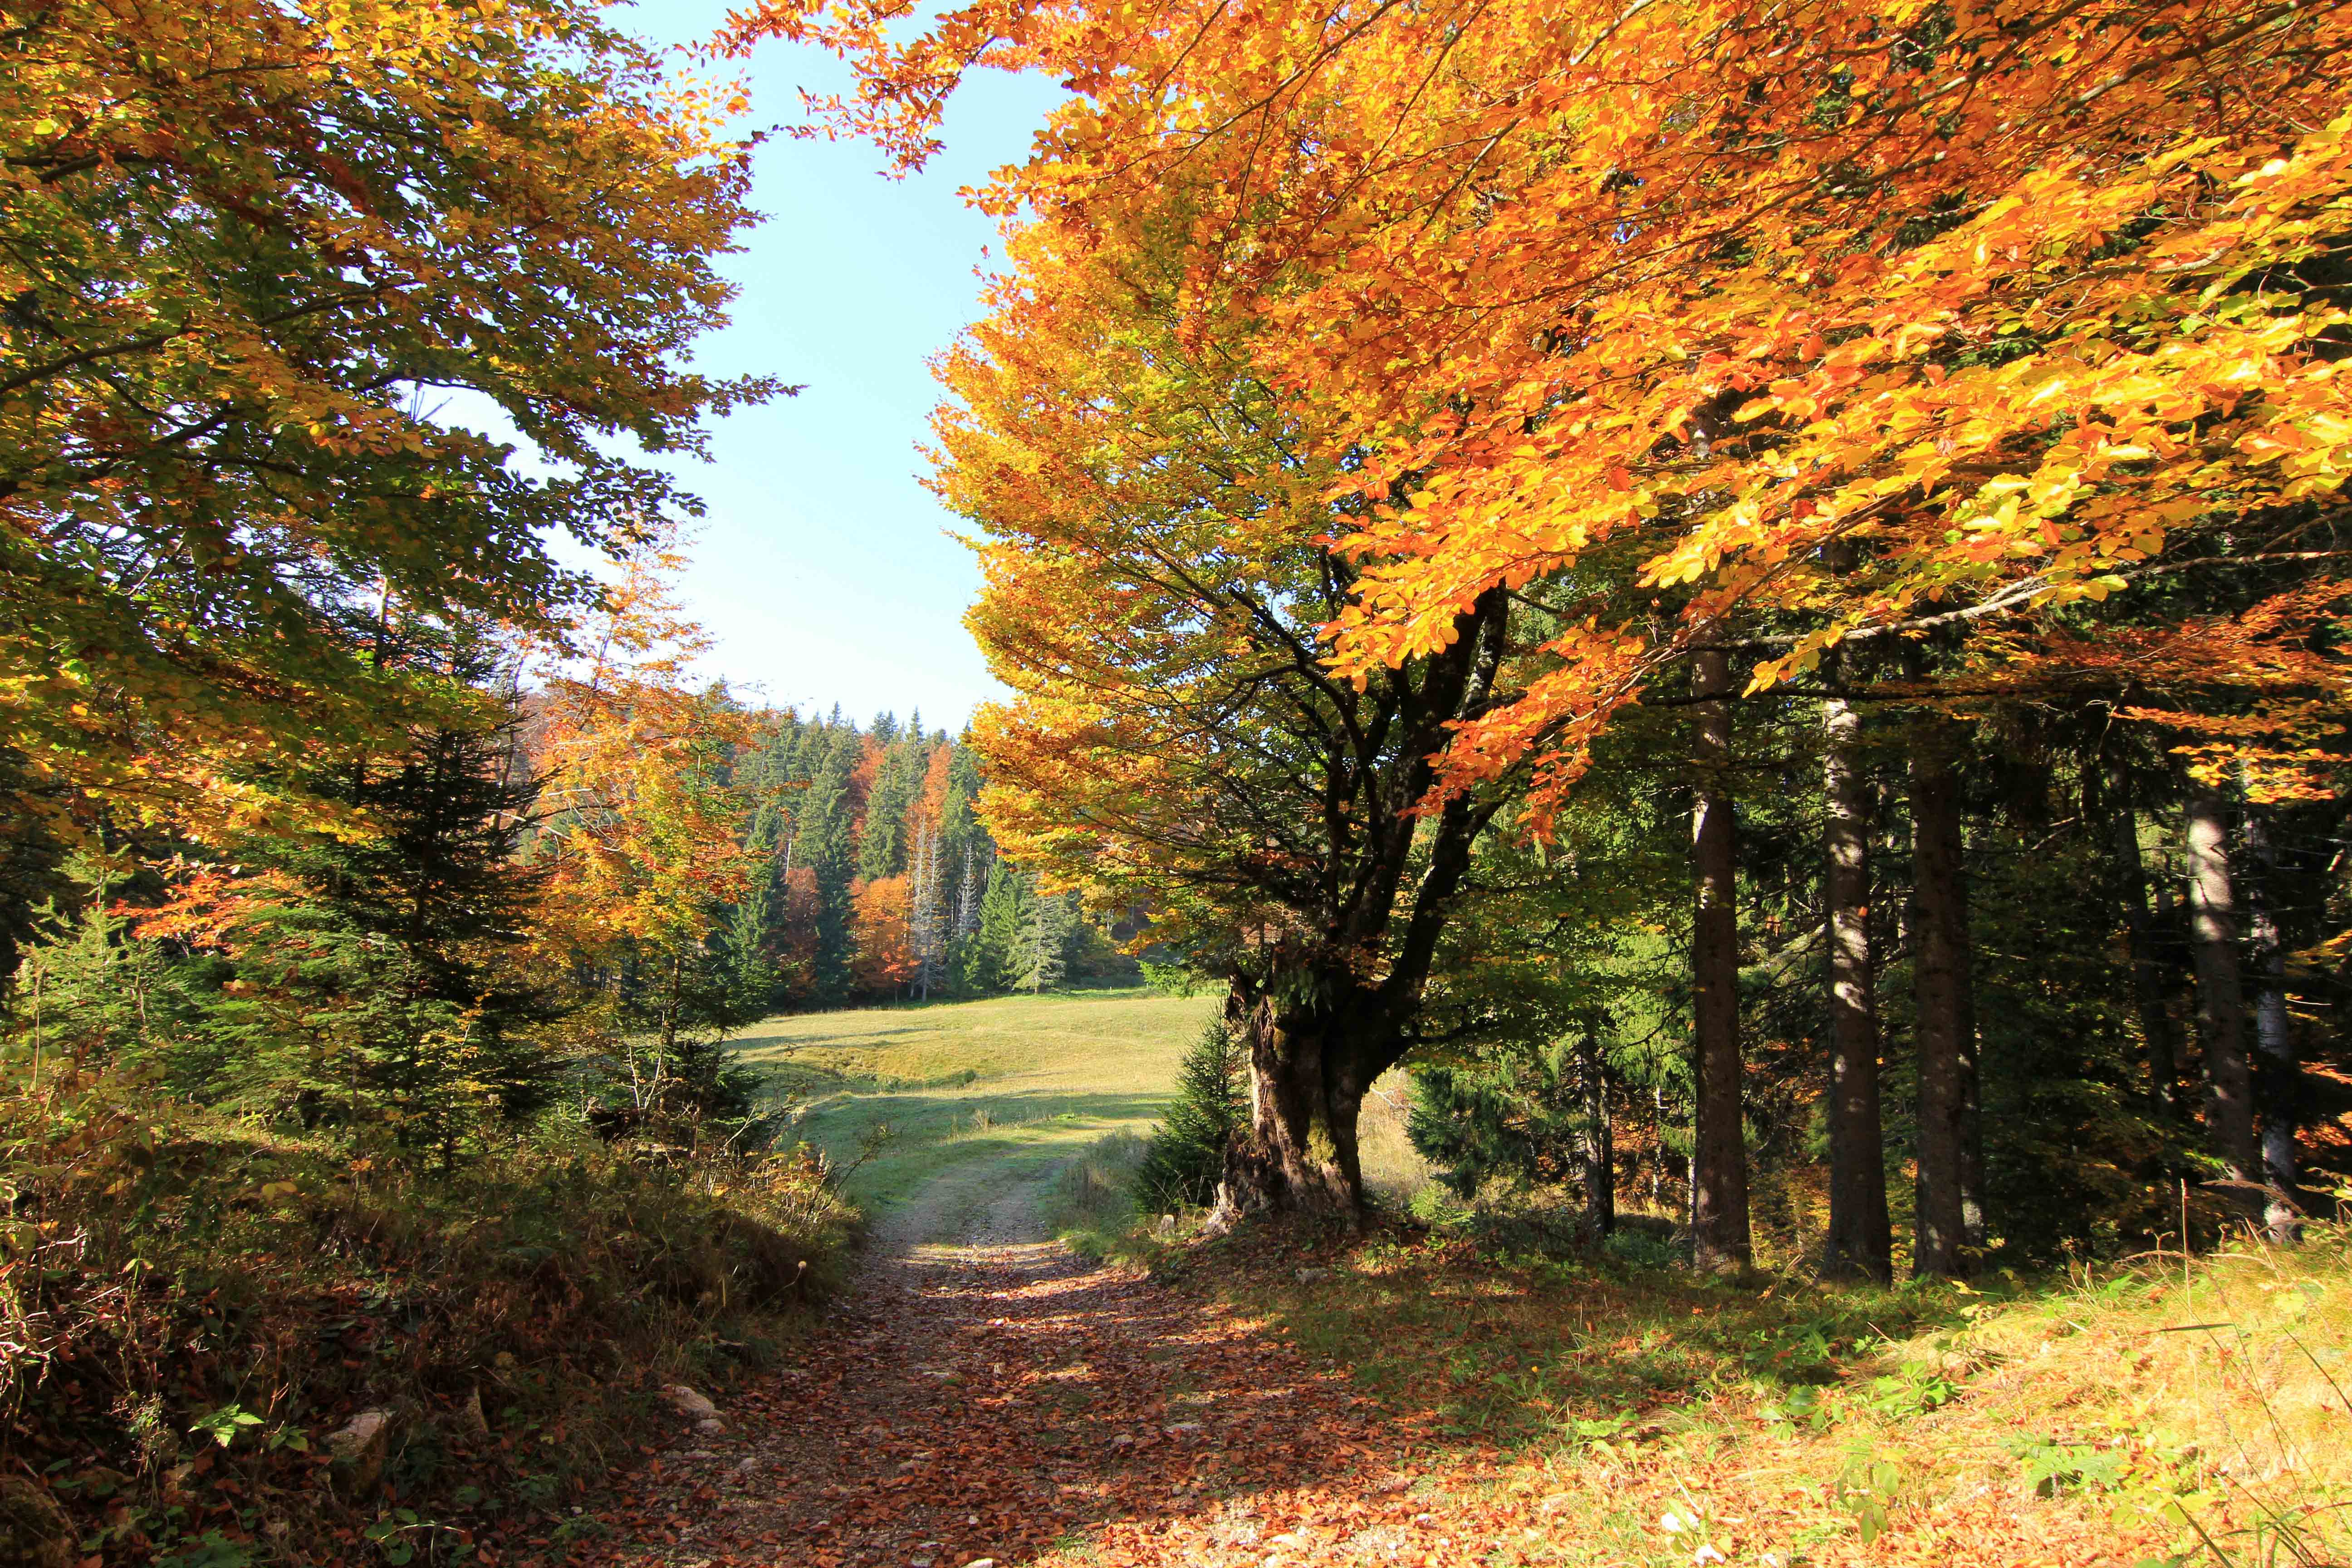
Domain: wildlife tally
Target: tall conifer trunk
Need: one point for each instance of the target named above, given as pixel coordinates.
(1720, 1148)
(2278, 1078)
(1950, 1204)
(1860, 1241)
(2220, 1000)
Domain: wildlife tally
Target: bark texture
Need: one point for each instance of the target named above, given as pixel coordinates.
(1860, 1241)
(1719, 1162)
(1942, 998)
(1600, 1149)
(2220, 1000)
(1300, 1152)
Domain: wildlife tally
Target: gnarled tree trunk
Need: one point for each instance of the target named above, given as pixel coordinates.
(1308, 1075)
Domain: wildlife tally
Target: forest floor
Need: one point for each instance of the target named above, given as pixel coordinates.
(1286, 1398)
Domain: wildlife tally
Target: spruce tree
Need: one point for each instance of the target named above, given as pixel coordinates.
(749, 961)
(1042, 953)
(826, 845)
(961, 833)
(1187, 1155)
(443, 886)
(882, 843)
(1004, 909)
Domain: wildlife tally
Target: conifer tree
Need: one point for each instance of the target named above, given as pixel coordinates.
(882, 843)
(990, 956)
(1042, 952)
(826, 845)
(90, 989)
(1187, 1154)
(442, 884)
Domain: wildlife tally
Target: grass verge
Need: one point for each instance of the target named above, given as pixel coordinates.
(1596, 1410)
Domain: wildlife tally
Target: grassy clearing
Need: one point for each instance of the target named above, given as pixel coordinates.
(1601, 1411)
(987, 1094)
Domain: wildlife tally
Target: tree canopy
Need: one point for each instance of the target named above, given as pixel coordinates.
(266, 267)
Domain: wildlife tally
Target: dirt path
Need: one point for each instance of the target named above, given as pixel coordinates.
(984, 1395)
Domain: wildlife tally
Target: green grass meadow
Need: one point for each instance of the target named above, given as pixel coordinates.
(981, 1097)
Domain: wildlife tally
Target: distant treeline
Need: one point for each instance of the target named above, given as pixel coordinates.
(874, 879)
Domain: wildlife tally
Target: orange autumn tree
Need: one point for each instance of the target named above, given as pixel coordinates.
(886, 958)
(250, 249)
(1640, 307)
(642, 839)
(1721, 336)
(1155, 580)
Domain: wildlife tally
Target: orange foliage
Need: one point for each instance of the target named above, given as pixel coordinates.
(642, 838)
(1634, 309)
(931, 803)
(886, 960)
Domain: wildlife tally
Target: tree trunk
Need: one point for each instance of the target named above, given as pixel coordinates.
(1860, 1242)
(2220, 1000)
(1599, 1143)
(1306, 1088)
(2148, 978)
(1720, 1148)
(1944, 1029)
(2278, 1079)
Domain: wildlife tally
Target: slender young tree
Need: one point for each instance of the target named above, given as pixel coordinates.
(1597, 1138)
(2277, 1076)
(2161, 1038)
(1719, 1152)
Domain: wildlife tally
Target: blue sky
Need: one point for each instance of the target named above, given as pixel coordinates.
(825, 570)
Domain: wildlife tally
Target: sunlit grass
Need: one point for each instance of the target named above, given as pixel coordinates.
(2141, 1413)
(988, 1093)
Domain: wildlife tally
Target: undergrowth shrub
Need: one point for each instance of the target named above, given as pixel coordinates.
(189, 1307)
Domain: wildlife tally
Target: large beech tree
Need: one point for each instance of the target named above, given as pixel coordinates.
(1779, 329)
(248, 251)
(1156, 584)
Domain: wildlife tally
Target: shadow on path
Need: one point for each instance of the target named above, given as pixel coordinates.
(983, 1394)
